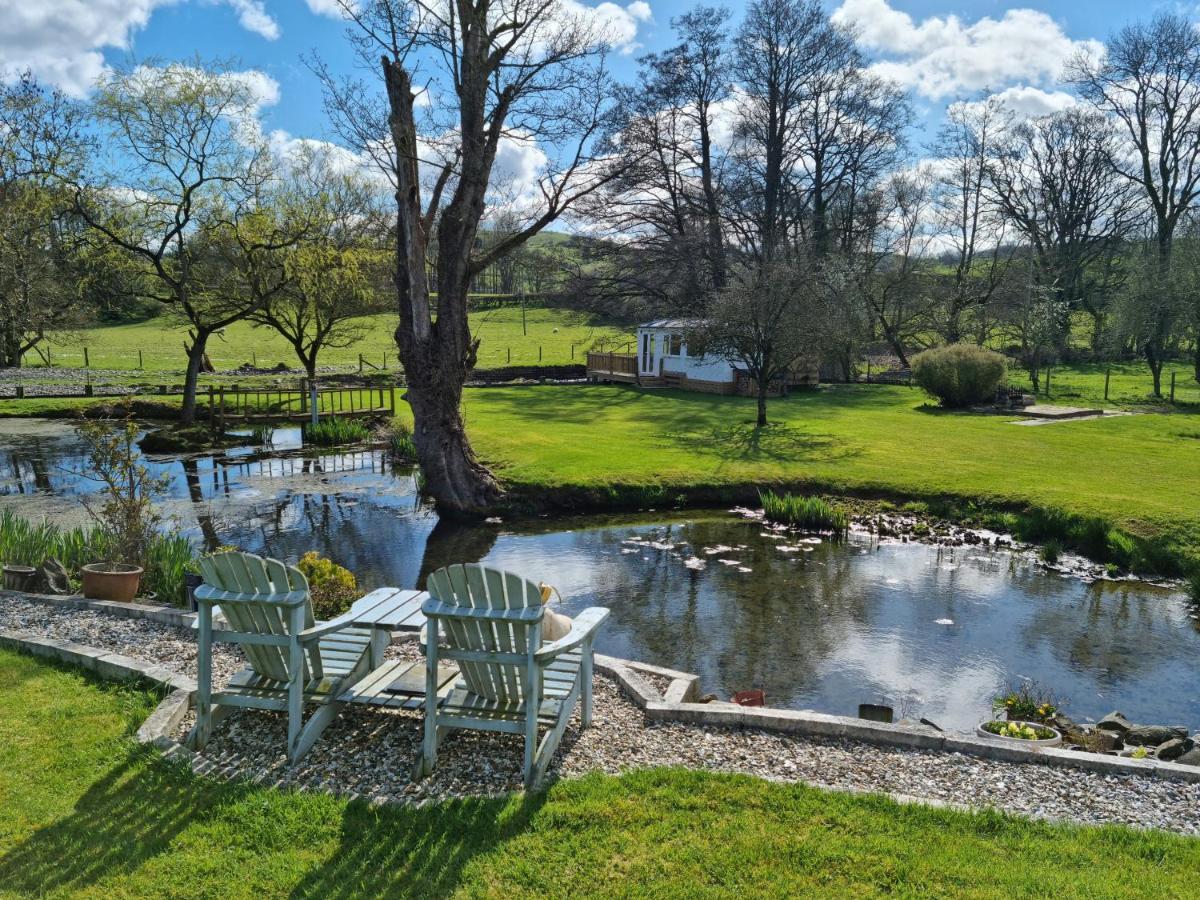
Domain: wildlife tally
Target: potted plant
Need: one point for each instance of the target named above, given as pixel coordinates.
(123, 509)
(1032, 734)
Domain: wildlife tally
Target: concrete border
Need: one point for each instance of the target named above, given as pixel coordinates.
(676, 704)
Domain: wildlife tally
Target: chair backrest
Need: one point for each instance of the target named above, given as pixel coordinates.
(477, 587)
(254, 604)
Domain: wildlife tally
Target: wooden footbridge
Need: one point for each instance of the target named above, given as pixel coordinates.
(232, 407)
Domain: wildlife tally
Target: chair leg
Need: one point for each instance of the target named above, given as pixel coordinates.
(198, 737)
(585, 675)
(429, 742)
(312, 729)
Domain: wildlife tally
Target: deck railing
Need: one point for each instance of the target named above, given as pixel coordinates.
(612, 363)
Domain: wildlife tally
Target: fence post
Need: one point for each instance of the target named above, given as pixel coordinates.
(360, 364)
(254, 359)
(1172, 387)
(212, 413)
(1047, 381)
(509, 355)
(20, 391)
(1107, 374)
(572, 351)
(140, 363)
(868, 370)
(314, 400)
(86, 362)
(48, 365)
(539, 352)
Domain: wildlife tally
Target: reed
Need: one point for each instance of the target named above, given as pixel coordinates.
(331, 432)
(806, 513)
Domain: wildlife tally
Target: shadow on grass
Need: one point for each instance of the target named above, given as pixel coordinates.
(421, 853)
(746, 441)
(141, 806)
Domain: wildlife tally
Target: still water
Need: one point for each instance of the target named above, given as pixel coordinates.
(935, 632)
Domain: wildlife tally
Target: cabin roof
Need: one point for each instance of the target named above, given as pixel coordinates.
(671, 323)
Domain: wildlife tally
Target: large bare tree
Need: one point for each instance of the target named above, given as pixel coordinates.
(529, 72)
(1053, 182)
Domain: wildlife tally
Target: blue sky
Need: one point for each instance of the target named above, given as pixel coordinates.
(941, 51)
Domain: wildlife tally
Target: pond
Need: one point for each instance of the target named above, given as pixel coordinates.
(935, 632)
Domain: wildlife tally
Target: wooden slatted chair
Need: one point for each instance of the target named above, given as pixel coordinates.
(490, 623)
(292, 660)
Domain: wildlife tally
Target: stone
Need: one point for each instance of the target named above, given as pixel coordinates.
(1114, 721)
(1064, 724)
(1095, 739)
(1174, 748)
(1191, 758)
(1153, 735)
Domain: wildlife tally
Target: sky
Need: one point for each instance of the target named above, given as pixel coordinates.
(942, 51)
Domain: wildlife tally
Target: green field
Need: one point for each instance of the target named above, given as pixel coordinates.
(549, 336)
(84, 813)
(1140, 472)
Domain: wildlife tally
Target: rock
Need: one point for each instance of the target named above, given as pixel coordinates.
(1153, 735)
(1174, 748)
(1114, 721)
(1095, 739)
(1063, 723)
(1191, 758)
(53, 578)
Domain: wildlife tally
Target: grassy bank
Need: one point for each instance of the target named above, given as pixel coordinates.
(547, 336)
(87, 814)
(599, 446)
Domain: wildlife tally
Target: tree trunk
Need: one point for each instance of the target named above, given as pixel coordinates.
(1196, 359)
(191, 381)
(436, 356)
(1154, 360)
(762, 403)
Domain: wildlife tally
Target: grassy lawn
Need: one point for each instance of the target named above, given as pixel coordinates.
(554, 331)
(85, 813)
(1130, 384)
(1141, 472)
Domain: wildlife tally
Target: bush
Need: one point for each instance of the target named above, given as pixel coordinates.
(961, 374)
(807, 513)
(332, 588)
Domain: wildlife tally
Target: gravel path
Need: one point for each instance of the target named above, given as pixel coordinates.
(368, 752)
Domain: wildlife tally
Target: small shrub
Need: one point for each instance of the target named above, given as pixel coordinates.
(332, 588)
(807, 513)
(960, 374)
(331, 432)
(915, 508)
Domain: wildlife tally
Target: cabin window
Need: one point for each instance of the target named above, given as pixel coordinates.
(674, 344)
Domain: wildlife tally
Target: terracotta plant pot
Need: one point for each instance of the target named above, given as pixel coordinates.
(19, 578)
(111, 581)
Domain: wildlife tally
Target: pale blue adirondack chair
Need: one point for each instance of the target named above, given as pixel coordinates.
(490, 623)
(292, 661)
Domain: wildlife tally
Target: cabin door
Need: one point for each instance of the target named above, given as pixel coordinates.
(649, 363)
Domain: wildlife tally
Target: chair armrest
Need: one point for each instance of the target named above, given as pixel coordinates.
(216, 595)
(582, 628)
(345, 620)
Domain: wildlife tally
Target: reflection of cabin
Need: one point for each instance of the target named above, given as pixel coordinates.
(662, 360)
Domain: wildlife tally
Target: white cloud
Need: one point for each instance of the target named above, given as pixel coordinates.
(1027, 102)
(943, 56)
(331, 8)
(618, 24)
(63, 41)
(253, 16)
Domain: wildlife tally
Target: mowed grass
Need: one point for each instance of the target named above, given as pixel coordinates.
(561, 336)
(85, 813)
(1140, 472)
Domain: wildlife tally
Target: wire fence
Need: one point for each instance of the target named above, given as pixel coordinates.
(492, 355)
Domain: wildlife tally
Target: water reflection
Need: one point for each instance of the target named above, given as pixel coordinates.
(935, 631)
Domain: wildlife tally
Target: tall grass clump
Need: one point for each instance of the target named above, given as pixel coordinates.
(961, 374)
(331, 432)
(400, 442)
(25, 543)
(807, 513)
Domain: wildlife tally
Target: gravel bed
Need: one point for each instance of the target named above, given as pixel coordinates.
(368, 752)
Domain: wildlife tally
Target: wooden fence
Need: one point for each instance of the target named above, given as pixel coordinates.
(612, 363)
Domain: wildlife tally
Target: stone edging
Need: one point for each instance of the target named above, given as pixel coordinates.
(676, 704)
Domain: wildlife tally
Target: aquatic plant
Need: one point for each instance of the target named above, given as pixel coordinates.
(263, 435)
(807, 513)
(1051, 552)
(400, 442)
(332, 431)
